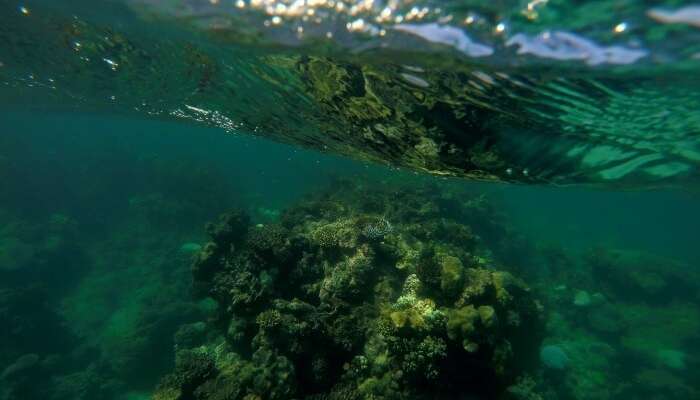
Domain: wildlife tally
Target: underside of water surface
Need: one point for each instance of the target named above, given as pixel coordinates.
(600, 93)
(349, 200)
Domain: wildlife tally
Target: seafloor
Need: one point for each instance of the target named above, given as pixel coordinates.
(336, 281)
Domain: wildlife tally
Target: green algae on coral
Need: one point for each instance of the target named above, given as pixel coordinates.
(318, 308)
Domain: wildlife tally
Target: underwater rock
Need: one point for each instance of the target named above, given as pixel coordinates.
(190, 247)
(28, 314)
(230, 229)
(524, 389)
(90, 383)
(582, 298)
(267, 214)
(80, 385)
(591, 370)
(29, 245)
(642, 277)
(672, 358)
(192, 368)
(206, 261)
(451, 276)
(606, 319)
(658, 336)
(270, 244)
(315, 307)
(623, 323)
(31, 251)
(190, 335)
(657, 384)
(554, 357)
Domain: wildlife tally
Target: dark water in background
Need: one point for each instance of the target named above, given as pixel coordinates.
(101, 207)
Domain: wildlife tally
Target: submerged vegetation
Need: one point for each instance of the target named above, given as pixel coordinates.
(334, 301)
(92, 277)
(313, 307)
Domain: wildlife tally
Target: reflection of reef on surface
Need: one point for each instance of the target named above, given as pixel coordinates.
(357, 294)
(433, 113)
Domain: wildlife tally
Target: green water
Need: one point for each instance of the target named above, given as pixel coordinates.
(96, 279)
(199, 201)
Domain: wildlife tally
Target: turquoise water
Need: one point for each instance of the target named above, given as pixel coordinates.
(209, 200)
(96, 281)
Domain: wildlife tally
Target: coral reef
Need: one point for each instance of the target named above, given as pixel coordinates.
(386, 289)
(354, 294)
(94, 276)
(553, 356)
(627, 323)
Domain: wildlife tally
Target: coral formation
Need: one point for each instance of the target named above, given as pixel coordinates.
(554, 357)
(335, 301)
(632, 336)
(364, 291)
(93, 276)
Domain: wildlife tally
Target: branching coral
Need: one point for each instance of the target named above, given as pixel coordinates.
(345, 304)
